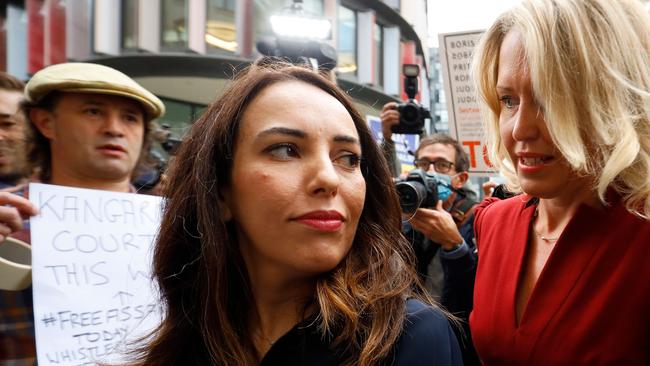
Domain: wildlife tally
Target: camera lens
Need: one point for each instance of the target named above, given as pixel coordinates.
(409, 114)
(411, 194)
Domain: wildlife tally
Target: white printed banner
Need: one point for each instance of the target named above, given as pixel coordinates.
(465, 124)
(91, 277)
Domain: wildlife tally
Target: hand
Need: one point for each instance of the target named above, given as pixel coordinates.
(389, 118)
(438, 225)
(13, 209)
(488, 188)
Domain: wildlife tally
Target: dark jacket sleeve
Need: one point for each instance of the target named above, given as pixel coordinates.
(460, 272)
(427, 338)
(458, 290)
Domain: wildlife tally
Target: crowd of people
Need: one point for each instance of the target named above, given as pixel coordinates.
(293, 248)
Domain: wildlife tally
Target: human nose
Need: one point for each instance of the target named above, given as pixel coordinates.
(324, 177)
(527, 122)
(112, 125)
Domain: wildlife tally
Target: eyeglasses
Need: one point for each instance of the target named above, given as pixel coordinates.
(440, 166)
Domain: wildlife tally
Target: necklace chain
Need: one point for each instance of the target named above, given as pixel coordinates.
(544, 238)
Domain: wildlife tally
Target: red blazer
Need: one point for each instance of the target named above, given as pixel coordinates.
(591, 303)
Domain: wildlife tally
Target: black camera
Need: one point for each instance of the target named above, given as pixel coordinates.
(163, 135)
(298, 51)
(411, 113)
(154, 162)
(418, 189)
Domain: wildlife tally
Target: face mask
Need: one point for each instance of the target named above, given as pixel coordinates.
(444, 186)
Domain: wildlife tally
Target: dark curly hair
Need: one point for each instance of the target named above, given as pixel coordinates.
(201, 273)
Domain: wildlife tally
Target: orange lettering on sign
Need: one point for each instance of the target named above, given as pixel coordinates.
(472, 154)
(486, 158)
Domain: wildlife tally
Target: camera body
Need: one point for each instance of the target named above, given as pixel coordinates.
(418, 189)
(155, 162)
(298, 51)
(412, 113)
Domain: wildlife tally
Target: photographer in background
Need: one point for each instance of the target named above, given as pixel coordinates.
(449, 224)
(446, 229)
(150, 177)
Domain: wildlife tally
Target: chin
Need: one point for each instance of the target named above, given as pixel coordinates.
(539, 190)
(320, 264)
(113, 172)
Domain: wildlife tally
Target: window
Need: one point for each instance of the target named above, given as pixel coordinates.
(129, 24)
(379, 54)
(263, 9)
(174, 24)
(395, 4)
(178, 117)
(347, 43)
(220, 32)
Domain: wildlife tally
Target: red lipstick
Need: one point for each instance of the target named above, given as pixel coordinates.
(322, 220)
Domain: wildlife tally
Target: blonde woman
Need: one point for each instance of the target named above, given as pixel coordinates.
(563, 268)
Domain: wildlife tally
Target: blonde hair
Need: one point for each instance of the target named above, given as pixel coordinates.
(589, 64)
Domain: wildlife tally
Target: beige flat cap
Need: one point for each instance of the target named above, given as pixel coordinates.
(80, 77)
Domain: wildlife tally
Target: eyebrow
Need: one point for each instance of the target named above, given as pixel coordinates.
(129, 109)
(282, 131)
(302, 134)
(345, 138)
(503, 88)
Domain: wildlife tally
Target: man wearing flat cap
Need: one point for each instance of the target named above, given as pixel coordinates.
(90, 125)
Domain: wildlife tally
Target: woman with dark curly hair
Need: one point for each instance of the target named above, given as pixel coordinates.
(280, 241)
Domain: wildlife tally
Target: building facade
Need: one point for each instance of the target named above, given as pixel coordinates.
(185, 51)
(439, 116)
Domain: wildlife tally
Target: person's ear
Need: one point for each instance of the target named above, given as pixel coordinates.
(224, 206)
(43, 121)
(459, 180)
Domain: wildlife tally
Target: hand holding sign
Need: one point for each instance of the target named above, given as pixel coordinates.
(13, 209)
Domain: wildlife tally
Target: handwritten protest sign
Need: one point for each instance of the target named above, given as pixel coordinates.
(91, 259)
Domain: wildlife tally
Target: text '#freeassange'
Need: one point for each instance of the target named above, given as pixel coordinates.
(97, 333)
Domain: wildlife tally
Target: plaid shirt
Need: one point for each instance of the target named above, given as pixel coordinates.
(17, 342)
(17, 336)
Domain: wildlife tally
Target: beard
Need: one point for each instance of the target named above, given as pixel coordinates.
(16, 167)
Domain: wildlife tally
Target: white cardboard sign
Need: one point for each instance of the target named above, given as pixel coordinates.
(91, 278)
(465, 125)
